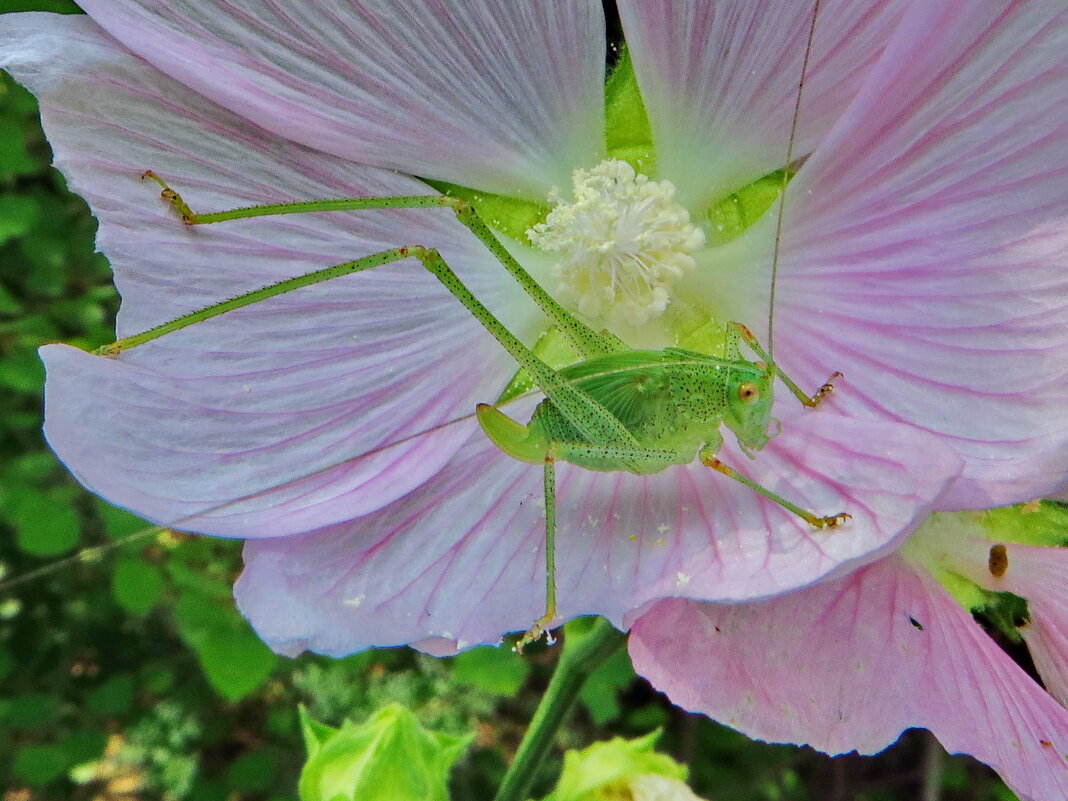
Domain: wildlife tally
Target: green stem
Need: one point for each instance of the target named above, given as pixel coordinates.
(576, 665)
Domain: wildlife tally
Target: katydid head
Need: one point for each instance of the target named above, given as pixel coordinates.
(749, 401)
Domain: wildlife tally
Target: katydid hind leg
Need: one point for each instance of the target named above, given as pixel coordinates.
(588, 416)
(587, 342)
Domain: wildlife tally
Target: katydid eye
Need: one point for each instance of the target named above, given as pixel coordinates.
(748, 393)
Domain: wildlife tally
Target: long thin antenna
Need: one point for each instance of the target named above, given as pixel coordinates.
(785, 179)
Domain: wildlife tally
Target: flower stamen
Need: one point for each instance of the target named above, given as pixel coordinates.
(623, 242)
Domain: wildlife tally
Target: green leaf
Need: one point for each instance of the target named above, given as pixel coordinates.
(6, 663)
(9, 304)
(118, 522)
(14, 158)
(33, 466)
(232, 657)
(29, 711)
(156, 678)
(18, 213)
(500, 671)
(84, 745)
(22, 371)
(37, 765)
(600, 694)
(45, 524)
(56, 6)
(136, 585)
(113, 697)
(253, 771)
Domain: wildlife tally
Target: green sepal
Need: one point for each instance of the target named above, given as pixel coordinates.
(628, 135)
(552, 348)
(605, 770)
(1037, 523)
(733, 215)
(511, 216)
(314, 732)
(388, 757)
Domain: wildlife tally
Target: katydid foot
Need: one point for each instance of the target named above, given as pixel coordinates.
(536, 632)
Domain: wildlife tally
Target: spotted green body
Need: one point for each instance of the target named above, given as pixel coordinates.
(671, 401)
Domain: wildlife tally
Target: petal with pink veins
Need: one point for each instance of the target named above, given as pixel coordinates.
(503, 96)
(925, 241)
(287, 415)
(850, 664)
(460, 560)
(1040, 575)
(719, 81)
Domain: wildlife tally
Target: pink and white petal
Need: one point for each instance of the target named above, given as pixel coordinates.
(719, 81)
(925, 245)
(1040, 575)
(460, 560)
(894, 651)
(499, 95)
(287, 415)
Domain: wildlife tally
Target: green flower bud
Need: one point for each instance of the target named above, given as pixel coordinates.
(388, 757)
(622, 770)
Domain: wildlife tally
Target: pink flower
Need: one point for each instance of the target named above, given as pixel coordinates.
(849, 664)
(332, 427)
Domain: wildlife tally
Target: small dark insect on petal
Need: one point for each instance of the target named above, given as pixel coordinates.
(916, 623)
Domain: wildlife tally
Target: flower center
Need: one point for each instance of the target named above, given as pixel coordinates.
(622, 243)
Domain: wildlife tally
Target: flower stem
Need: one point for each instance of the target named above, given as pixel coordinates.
(576, 665)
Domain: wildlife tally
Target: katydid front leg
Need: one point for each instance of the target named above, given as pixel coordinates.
(810, 401)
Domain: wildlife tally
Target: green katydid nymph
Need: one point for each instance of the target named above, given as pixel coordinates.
(615, 409)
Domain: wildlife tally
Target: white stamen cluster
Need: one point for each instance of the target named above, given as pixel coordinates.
(623, 242)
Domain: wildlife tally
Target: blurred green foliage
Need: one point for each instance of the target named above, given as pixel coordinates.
(125, 671)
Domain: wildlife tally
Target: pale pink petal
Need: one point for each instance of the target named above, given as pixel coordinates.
(496, 94)
(719, 81)
(926, 242)
(460, 560)
(850, 664)
(289, 414)
(1040, 575)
